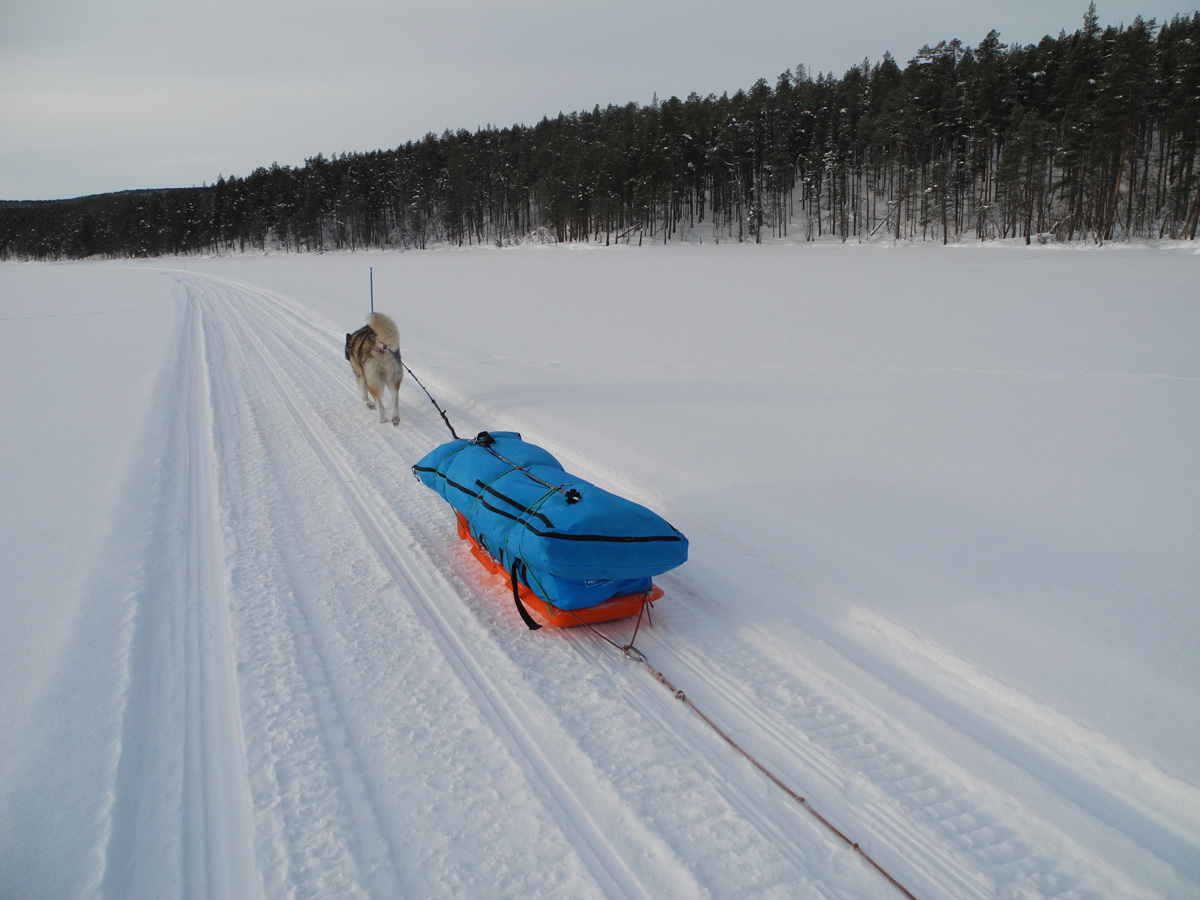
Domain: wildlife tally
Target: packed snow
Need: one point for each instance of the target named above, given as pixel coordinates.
(944, 582)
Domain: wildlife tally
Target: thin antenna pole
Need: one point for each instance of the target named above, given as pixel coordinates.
(371, 272)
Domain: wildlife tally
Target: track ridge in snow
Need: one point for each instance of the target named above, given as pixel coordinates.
(1086, 796)
(892, 786)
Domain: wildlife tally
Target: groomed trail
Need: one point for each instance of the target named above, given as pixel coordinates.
(363, 714)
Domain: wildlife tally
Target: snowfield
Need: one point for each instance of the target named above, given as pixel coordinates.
(944, 582)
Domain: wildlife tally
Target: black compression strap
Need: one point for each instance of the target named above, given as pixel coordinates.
(516, 586)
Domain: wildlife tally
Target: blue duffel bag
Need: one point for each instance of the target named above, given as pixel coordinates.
(574, 544)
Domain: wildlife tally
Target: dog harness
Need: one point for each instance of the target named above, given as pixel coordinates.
(384, 348)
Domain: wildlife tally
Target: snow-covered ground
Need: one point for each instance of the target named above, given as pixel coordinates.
(944, 513)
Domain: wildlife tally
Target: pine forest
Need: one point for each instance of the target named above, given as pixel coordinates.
(1091, 136)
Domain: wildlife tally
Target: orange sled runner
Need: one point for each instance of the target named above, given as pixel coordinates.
(613, 608)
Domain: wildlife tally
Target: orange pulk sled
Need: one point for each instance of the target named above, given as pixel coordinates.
(573, 553)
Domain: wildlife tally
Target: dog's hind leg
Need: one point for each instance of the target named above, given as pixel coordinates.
(378, 401)
(395, 403)
(362, 384)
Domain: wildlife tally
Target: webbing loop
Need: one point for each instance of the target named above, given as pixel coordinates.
(516, 588)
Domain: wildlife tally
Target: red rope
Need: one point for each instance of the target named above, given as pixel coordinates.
(637, 655)
(680, 695)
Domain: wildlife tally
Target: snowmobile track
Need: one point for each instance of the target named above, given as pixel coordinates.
(509, 713)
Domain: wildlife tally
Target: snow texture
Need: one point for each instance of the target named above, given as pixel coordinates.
(944, 513)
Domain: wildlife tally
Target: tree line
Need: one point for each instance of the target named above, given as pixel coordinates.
(1092, 136)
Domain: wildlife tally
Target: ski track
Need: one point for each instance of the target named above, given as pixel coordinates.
(293, 650)
(184, 648)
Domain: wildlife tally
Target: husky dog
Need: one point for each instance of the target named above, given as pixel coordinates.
(374, 355)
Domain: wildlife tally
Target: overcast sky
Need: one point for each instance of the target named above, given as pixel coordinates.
(122, 94)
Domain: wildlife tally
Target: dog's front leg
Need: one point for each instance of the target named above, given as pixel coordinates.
(362, 383)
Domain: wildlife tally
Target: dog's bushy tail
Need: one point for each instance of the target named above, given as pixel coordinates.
(385, 329)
